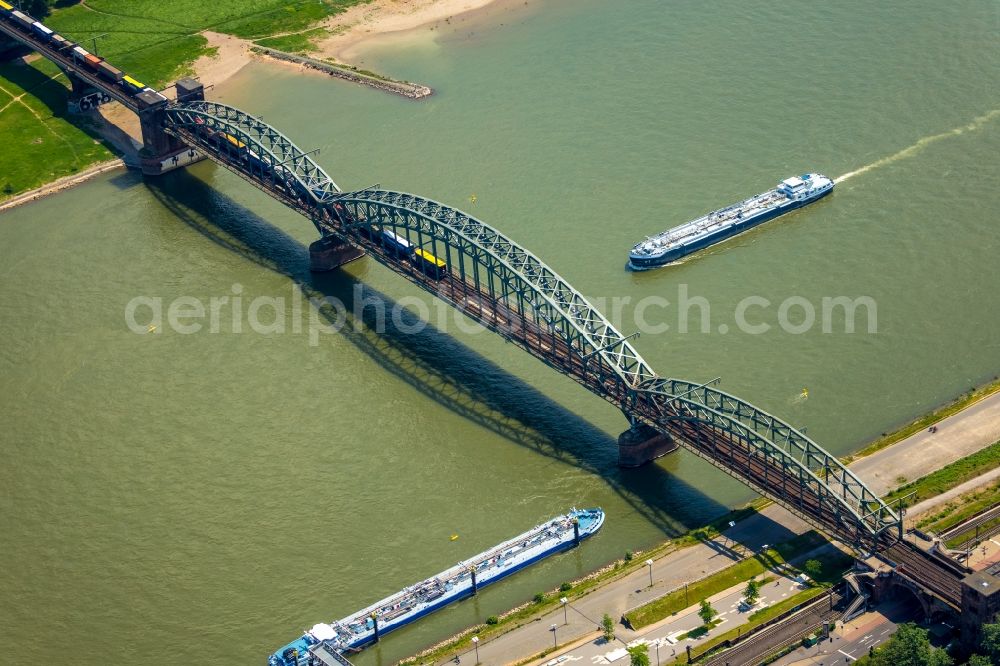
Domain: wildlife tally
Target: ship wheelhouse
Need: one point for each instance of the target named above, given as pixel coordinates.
(794, 187)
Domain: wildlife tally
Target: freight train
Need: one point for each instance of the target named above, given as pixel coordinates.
(399, 247)
(72, 51)
(396, 246)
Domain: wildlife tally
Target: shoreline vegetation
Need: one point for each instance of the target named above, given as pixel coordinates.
(47, 149)
(937, 482)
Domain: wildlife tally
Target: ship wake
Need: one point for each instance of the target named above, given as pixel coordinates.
(976, 123)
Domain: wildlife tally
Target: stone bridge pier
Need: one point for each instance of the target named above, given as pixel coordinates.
(641, 444)
(162, 152)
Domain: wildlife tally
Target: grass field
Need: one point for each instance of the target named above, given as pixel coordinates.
(40, 142)
(966, 535)
(738, 573)
(156, 42)
(949, 476)
(299, 42)
(961, 508)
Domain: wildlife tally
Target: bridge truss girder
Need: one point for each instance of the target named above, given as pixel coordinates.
(511, 291)
(768, 454)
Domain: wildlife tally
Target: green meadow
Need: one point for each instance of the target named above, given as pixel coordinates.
(155, 42)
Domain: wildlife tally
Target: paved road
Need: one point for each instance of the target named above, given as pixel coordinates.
(772, 525)
(664, 638)
(852, 640)
(957, 436)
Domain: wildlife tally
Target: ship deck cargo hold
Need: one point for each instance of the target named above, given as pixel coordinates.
(724, 223)
(462, 580)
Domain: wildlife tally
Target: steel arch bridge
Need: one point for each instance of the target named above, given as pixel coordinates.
(509, 290)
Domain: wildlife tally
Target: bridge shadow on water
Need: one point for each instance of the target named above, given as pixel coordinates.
(438, 364)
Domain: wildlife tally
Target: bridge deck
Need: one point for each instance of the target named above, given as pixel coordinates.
(70, 66)
(508, 290)
(928, 572)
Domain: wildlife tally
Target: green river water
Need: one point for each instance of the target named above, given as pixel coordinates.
(174, 499)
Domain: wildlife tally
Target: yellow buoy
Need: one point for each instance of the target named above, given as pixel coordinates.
(454, 537)
(805, 393)
(473, 198)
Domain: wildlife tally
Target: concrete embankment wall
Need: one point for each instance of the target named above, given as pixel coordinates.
(404, 88)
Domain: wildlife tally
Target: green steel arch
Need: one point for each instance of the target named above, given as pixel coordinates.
(279, 161)
(507, 288)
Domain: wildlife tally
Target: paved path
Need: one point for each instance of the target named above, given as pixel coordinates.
(852, 640)
(664, 639)
(959, 435)
(772, 525)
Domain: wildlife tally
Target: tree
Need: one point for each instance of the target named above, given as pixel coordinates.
(37, 8)
(638, 655)
(814, 568)
(910, 647)
(608, 626)
(751, 593)
(980, 660)
(706, 612)
(989, 643)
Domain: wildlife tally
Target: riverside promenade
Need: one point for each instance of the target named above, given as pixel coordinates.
(957, 436)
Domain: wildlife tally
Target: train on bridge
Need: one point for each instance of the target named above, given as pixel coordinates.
(97, 65)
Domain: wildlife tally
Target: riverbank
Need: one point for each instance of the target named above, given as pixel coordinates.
(352, 31)
(967, 430)
(214, 57)
(63, 183)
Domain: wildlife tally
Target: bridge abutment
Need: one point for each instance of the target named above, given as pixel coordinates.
(980, 604)
(162, 152)
(641, 444)
(331, 252)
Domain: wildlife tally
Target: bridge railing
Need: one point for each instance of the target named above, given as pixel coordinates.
(279, 157)
(836, 490)
(504, 269)
(510, 290)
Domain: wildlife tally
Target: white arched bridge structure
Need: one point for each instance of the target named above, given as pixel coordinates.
(505, 287)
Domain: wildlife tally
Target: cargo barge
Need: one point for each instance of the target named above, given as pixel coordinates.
(724, 223)
(326, 643)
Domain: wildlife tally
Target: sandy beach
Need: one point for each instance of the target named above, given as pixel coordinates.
(352, 32)
(363, 23)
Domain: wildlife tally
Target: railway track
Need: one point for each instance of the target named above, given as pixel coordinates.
(932, 574)
(974, 541)
(972, 524)
(769, 640)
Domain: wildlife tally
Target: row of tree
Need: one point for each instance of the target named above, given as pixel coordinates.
(910, 646)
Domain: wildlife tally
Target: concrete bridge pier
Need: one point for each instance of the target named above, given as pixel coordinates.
(331, 252)
(162, 152)
(641, 444)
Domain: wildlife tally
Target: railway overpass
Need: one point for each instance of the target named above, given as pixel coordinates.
(505, 287)
(508, 289)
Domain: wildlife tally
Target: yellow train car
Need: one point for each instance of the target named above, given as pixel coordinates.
(236, 143)
(435, 267)
(6, 5)
(132, 85)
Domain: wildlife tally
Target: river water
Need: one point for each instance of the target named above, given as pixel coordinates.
(177, 498)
